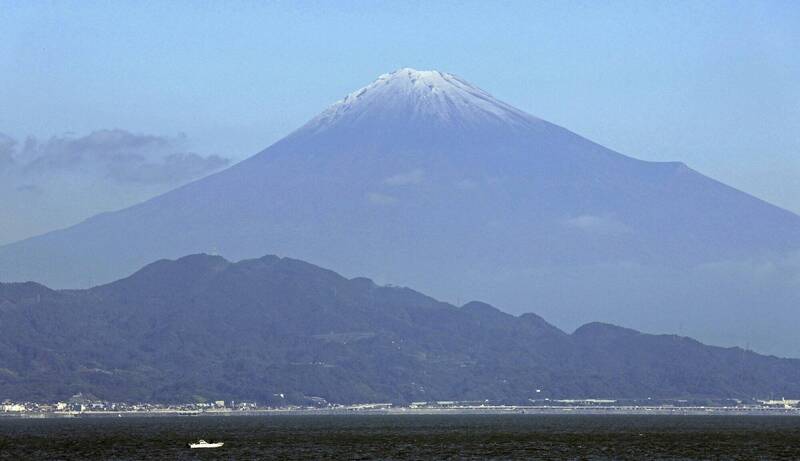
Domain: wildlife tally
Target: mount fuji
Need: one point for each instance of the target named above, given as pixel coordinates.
(422, 179)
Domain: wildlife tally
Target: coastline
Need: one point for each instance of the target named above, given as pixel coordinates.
(489, 410)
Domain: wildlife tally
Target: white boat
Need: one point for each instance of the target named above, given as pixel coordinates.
(203, 444)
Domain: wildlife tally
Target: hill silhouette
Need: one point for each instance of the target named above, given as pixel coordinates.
(201, 327)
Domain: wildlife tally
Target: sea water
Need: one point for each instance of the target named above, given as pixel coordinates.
(314, 437)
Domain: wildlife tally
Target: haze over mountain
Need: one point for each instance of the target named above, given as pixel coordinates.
(53, 182)
(202, 328)
(423, 179)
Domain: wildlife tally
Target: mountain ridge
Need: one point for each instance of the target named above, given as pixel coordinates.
(204, 328)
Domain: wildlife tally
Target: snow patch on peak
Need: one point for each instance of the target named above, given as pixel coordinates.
(432, 79)
(423, 96)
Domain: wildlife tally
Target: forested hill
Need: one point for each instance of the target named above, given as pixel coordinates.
(202, 327)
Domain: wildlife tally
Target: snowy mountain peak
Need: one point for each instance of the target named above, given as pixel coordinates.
(421, 97)
(433, 80)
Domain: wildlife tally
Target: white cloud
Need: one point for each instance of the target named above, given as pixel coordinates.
(466, 183)
(380, 199)
(598, 224)
(785, 268)
(116, 155)
(406, 179)
(59, 181)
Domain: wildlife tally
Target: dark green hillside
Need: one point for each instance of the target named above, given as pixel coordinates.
(205, 328)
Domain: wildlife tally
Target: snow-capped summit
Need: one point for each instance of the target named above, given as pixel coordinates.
(420, 99)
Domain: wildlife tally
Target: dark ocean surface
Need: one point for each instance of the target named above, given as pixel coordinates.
(405, 437)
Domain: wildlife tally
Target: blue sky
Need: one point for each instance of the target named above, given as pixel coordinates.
(713, 84)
